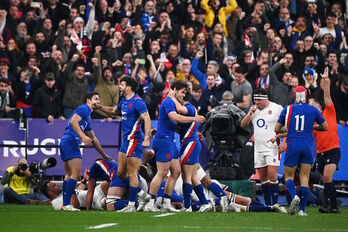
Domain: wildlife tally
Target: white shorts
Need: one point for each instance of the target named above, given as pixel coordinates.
(98, 198)
(266, 158)
(201, 173)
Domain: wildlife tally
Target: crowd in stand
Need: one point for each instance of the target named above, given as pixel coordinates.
(52, 52)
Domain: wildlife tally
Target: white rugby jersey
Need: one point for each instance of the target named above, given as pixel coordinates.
(264, 122)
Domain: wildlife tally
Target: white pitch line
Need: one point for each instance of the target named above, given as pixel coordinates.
(101, 226)
(254, 228)
(164, 215)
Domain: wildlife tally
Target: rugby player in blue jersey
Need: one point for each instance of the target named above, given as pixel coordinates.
(299, 119)
(167, 156)
(189, 156)
(78, 130)
(134, 113)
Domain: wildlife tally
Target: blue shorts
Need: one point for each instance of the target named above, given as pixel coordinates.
(133, 148)
(118, 182)
(165, 150)
(190, 152)
(299, 152)
(122, 183)
(69, 149)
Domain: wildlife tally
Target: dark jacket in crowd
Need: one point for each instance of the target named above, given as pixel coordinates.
(47, 102)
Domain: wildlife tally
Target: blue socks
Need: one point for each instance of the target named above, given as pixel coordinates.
(267, 192)
(187, 189)
(290, 185)
(120, 204)
(275, 191)
(133, 193)
(64, 191)
(259, 208)
(200, 193)
(304, 195)
(70, 189)
(216, 190)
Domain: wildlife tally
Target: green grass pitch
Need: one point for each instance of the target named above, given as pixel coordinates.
(27, 218)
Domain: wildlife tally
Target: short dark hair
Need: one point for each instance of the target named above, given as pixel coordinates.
(187, 95)
(178, 85)
(331, 14)
(241, 70)
(260, 91)
(130, 82)
(89, 96)
(196, 88)
(4, 80)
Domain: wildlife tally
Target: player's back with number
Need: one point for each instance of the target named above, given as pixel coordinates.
(299, 120)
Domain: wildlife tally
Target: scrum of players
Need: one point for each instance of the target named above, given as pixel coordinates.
(180, 184)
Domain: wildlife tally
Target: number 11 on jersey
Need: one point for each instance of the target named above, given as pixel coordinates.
(300, 119)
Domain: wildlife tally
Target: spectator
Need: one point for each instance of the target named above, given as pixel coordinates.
(214, 9)
(212, 69)
(280, 92)
(47, 101)
(24, 88)
(6, 101)
(198, 101)
(106, 86)
(241, 90)
(340, 98)
(76, 84)
(213, 93)
(4, 69)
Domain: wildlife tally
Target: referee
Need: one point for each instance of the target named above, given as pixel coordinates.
(328, 148)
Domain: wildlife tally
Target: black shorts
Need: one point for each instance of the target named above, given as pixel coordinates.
(328, 157)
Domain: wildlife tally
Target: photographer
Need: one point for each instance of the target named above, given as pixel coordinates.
(17, 180)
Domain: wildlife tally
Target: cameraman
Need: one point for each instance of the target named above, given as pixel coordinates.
(17, 180)
(226, 107)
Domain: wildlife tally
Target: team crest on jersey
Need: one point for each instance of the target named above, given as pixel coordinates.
(270, 112)
(130, 105)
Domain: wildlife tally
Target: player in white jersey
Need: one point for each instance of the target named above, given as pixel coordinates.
(79, 200)
(237, 203)
(264, 115)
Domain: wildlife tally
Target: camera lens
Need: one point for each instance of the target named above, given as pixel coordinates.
(23, 167)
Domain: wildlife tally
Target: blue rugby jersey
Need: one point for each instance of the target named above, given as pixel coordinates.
(299, 120)
(131, 121)
(85, 113)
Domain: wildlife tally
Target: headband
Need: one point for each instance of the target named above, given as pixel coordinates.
(260, 96)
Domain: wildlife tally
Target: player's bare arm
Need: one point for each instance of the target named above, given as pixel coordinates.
(278, 128)
(90, 193)
(245, 123)
(147, 128)
(321, 127)
(107, 109)
(75, 125)
(175, 117)
(97, 146)
(178, 106)
(326, 80)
